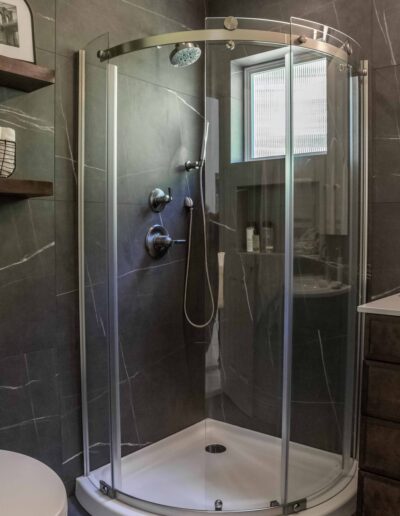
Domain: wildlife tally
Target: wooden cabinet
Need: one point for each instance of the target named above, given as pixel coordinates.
(381, 390)
(380, 450)
(378, 496)
(379, 480)
(383, 338)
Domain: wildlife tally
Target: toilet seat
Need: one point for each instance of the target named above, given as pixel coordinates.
(29, 487)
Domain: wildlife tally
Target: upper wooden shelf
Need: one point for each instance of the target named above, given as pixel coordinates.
(24, 188)
(24, 76)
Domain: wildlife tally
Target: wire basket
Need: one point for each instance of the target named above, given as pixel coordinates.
(7, 158)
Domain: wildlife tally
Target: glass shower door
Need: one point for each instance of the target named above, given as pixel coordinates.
(323, 254)
(245, 191)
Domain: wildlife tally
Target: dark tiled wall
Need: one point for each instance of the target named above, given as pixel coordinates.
(39, 348)
(385, 168)
(31, 372)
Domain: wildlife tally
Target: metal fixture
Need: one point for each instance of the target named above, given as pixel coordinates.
(348, 48)
(112, 273)
(215, 35)
(185, 54)
(363, 237)
(103, 55)
(218, 505)
(230, 45)
(362, 71)
(302, 39)
(107, 490)
(81, 260)
(231, 23)
(158, 199)
(158, 241)
(193, 165)
(215, 448)
(188, 203)
(297, 506)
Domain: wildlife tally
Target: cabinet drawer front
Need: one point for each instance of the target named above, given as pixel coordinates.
(382, 390)
(383, 338)
(380, 450)
(378, 496)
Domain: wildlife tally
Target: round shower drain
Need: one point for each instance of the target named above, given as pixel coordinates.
(215, 448)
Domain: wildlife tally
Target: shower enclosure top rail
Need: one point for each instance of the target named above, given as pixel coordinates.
(214, 35)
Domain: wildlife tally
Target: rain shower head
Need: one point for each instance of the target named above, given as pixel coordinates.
(185, 54)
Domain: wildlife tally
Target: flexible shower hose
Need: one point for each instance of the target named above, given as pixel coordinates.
(203, 211)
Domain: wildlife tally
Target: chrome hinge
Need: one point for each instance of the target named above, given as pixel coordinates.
(297, 506)
(107, 490)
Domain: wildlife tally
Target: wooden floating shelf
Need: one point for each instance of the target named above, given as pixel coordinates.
(24, 76)
(24, 188)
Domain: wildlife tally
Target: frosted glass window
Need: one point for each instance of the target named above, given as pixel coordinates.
(310, 107)
(268, 113)
(268, 110)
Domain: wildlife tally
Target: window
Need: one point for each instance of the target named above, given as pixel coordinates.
(266, 109)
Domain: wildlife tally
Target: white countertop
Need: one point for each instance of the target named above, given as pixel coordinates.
(385, 306)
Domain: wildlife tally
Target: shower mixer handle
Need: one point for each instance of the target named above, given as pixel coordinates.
(158, 199)
(162, 241)
(158, 241)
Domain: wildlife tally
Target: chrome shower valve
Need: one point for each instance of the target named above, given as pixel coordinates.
(159, 242)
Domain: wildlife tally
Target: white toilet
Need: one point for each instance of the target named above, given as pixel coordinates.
(29, 487)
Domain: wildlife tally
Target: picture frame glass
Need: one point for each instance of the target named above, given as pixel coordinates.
(16, 30)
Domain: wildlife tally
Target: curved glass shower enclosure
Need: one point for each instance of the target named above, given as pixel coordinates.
(219, 257)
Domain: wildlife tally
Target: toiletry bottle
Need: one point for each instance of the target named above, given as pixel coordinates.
(256, 240)
(267, 240)
(249, 238)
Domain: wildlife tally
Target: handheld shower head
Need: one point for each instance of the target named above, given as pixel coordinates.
(185, 54)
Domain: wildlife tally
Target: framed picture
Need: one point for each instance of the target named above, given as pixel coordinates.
(16, 30)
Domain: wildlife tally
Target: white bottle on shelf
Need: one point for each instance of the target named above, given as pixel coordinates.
(249, 239)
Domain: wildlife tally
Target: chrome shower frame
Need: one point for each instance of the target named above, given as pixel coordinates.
(223, 35)
(342, 52)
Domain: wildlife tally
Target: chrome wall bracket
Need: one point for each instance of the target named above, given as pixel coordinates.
(231, 23)
(193, 165)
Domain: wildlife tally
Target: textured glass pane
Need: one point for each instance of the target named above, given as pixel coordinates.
(268, 137)
(310, 107)
(268, 113)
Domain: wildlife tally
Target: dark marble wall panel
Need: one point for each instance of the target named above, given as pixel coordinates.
(385, 182)
(29, 382)
(39, 343)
